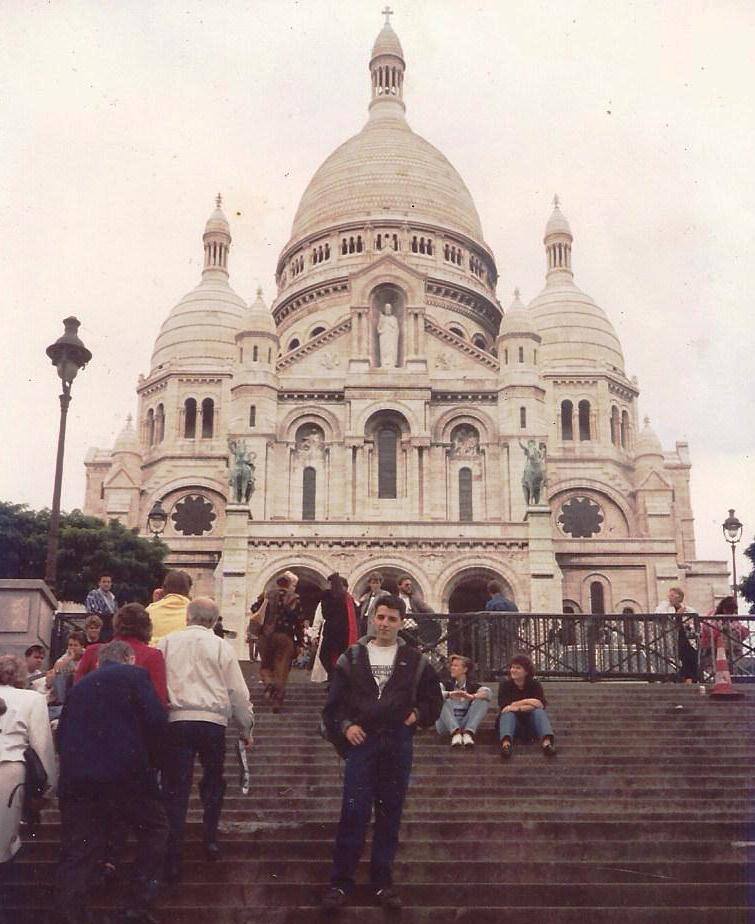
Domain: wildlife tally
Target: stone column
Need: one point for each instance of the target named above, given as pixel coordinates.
(233, 574)
(359, 361)
(545, 575)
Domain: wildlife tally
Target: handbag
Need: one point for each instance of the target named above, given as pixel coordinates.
(36, 775)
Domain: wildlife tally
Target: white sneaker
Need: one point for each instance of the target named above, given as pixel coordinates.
(468, 740)
(457, 740)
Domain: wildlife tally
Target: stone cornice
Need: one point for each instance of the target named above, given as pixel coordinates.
(362, 543)
(157, 381)
(454, 397)
(330, 397)
(310, 346)
(309, 294)
(461, 344)
(466, 301)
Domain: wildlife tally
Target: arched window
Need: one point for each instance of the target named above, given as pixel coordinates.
(624, 430)
(521, 354)
(150, 427)
(506, 357)
(190, 418)
(479, 342)
(208, 418)
(316, 332)
(308, 493)
(395, 242)
(615, 426)
(269, 354)
(159, 424)
(597, 599)
(294, 344)
(344, 246)
(465, 495)
(567, 427)
(523, 417)
(584, 420)
(255, 353)
(458, 331)
(415, 248)
(387, 444)
(252, 416)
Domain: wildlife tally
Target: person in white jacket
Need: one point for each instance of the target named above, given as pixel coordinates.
(23, 723)
(205, 690)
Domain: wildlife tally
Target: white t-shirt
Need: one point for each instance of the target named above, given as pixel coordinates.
(381, 658)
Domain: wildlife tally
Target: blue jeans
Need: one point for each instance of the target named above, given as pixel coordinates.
(524, 725)
(470, 721)
(375, 773)
(186, 740)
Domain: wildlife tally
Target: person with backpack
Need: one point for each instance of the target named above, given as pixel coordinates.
(381, 690)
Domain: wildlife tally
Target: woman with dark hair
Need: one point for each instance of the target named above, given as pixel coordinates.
(522, 703)
(340, 627)
(132, 624)
(734, 633)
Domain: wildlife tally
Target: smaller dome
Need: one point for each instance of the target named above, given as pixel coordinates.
(258, 317)
(127, 441)
(387, 43)
(517, 321)
(648, 443)
(217, 222)
(557, 223)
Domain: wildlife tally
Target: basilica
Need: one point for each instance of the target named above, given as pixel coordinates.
(387, 406)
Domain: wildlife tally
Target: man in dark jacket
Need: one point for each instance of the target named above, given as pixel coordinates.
(381, 690)
(108, 740)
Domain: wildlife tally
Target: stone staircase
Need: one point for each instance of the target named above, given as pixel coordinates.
(644, 816)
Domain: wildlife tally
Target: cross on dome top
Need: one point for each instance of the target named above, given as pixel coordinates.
(387, 12)
(218, 201)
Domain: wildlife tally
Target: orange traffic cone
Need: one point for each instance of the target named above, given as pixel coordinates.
(723, 688)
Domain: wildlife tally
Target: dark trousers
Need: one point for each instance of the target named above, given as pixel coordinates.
(187, 740)
(86, 824)
(376, 773)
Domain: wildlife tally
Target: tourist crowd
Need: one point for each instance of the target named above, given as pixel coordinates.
(115, 724)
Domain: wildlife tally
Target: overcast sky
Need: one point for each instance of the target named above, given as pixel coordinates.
(121, 121)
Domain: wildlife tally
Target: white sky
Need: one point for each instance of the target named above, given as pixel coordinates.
(121, 121)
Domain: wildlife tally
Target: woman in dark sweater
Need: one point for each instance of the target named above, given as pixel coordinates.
(522, 703)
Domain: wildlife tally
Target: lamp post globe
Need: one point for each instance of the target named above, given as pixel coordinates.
(156, 519)
(69, 355)
(732, 530)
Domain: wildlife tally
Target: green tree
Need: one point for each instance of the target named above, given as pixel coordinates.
(88, 548)
(747, 587)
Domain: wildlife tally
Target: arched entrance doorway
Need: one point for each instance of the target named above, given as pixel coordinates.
(310, 588)
(391, 575)
(489, 646)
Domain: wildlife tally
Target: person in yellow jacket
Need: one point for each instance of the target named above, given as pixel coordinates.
(168, 614)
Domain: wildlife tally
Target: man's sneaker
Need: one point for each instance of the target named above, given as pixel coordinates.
(468, 739)
(457, 739)
(389, 899)
(333, 900)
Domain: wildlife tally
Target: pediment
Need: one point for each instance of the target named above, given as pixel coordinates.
(387, 269)
(654, 481)
(448, 352)
(119, 478)
(321, 355)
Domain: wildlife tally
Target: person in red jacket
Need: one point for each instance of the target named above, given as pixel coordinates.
(132, 624)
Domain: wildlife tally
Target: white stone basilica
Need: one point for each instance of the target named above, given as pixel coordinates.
(385, 399)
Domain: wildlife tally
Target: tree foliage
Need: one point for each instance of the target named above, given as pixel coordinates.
(88, 548)
(747, 587)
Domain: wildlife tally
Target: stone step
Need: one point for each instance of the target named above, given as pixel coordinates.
(241, 849)
(283, 894)
(317, 871)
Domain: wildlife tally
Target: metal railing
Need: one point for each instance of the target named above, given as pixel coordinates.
(644, 646)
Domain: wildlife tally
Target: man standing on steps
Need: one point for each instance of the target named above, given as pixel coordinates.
(205, 688)
(381, 691)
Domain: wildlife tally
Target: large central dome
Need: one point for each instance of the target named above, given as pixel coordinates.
(387, 171)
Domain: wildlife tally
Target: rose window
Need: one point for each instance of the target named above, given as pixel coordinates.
(193, 516)
(580, 518)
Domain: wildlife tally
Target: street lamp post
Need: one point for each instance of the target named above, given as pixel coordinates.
(69, 355)
(732, 530)
(156, 520)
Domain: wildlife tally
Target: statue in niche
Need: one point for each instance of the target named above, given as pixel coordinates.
(466, 442)
(241, 478)
(533, 476)
(387, 330)
(310, 440)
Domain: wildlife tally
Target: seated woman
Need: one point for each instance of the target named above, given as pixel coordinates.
(465, 703)
(522, 703)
